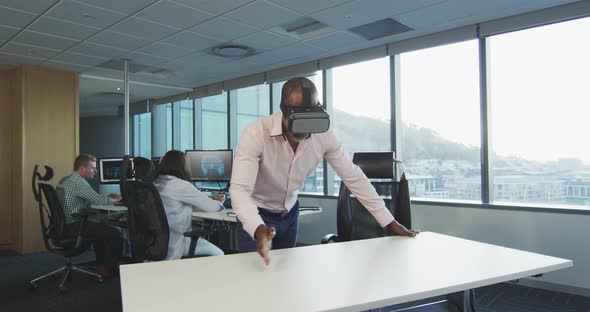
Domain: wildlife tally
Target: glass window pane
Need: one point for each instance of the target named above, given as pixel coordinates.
(162, 128)
(441, 121)
(214, 130)
(360, 110)
(186, 125)
(216, 103)
(251, 104)
(169, 131)
(142, 135)
(539, 100)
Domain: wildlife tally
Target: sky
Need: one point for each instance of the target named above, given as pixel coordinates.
(538, 87)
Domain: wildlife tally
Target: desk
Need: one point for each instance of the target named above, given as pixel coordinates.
(228, 216)
(109, 208)
(349, 276)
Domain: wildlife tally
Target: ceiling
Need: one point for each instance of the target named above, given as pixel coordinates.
(172, 39)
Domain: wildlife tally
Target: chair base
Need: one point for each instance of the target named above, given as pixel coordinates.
(67, 270)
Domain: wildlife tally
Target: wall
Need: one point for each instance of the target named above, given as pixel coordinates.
(563, 235)
(6, 140)
(102, 137)
(44, 125)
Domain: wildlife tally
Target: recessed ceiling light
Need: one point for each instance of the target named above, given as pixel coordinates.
(118, 89)
(232, 51)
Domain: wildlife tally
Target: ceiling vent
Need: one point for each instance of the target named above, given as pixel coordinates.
(380, 29)
(303, 28)
(233, 51)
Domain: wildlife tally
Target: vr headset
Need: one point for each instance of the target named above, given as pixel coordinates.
(308, 118)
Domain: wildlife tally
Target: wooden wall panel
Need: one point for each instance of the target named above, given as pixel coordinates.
(50, 135)
(7, 238)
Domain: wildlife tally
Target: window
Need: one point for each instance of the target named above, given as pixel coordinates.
(142, 135)
(539, 104)
(360, 110)
(184, 125)
(314, 184)
(162, 123)
(211, 120)
(248, 104)
(440, 131)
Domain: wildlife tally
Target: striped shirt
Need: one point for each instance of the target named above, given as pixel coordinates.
(75, 193)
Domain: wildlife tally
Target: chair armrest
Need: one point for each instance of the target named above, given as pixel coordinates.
(194, 236)
(304, 208)
(83, 213)
(330, 238)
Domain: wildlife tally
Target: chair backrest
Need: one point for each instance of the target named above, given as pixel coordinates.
(51, 213)
(353, 220)
(148, 228)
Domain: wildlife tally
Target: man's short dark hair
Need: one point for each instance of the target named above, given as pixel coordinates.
(83, 160)
(294, 85)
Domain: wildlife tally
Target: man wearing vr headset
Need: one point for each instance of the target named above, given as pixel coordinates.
(275, 155)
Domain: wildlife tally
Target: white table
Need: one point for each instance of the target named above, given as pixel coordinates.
(348, 276)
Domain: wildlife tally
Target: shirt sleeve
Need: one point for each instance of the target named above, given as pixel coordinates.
(84, 190)
(355, 179)
(243, 179)
(188, 194)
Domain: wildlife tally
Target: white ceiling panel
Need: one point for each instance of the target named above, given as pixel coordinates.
(31, 6)
(265, 40)
(48, 25)
(174, 14)
(19, 59)
(144, 29)
(285, 53)
(192, 41)
(15, 18)
(344, 16)
(307, 7)
(118, 40)
(263, 14)
(79, 59)
(44, 40)
(84, 14)
(103, 72)
(66, 66)
(223, 29)
(7, 32)
(97, 50)
(384, 8)
(441, 13)
(165, 50)
(123, 6)
(29, 51)
(196, 59)
(216, 7)
(336, 41)
(145, 59)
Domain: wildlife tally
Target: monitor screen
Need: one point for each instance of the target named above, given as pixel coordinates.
(210, 165)
(110, 170)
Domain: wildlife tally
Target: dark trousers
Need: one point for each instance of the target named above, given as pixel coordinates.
(105, 238)
(285, 225)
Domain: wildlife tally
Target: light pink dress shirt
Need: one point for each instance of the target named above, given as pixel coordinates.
(266, 173)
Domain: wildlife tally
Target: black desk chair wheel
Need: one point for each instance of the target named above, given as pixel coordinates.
(53, 222)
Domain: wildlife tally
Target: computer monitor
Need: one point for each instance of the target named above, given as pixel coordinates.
(110, 170)
(210, 166)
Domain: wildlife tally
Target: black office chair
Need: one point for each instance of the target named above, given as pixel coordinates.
(353, 220)
(53, 222)
(148, 228)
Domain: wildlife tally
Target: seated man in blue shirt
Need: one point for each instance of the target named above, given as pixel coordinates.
(75, 193)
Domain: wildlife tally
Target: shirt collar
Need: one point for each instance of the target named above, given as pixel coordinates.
(277, 125)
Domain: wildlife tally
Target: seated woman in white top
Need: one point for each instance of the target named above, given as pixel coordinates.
(180, 199)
